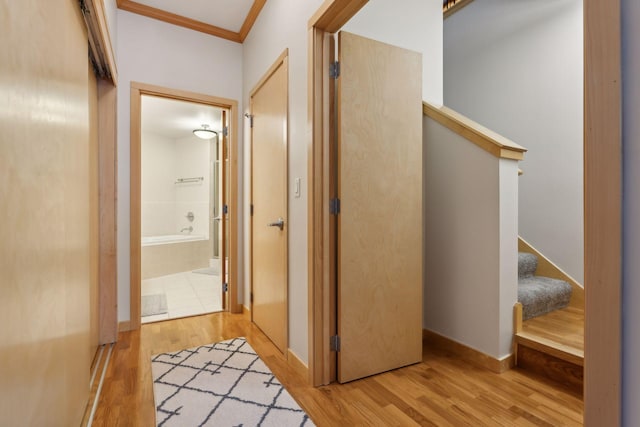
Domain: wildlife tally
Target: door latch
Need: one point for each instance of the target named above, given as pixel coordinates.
(279, 223)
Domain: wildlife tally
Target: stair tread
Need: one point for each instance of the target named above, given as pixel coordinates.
(541, 295)
(553, 348)
(560, 333)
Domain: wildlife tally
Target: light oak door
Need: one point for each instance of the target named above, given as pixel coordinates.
(379, 104)
(269, 204)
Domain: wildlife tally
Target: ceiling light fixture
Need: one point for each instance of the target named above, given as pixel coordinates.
(205, 133)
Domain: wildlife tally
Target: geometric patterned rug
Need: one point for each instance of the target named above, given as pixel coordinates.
(221, 384)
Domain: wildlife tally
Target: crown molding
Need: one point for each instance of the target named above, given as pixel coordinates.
(192, 24)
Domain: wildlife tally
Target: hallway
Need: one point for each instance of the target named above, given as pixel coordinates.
(442, 390)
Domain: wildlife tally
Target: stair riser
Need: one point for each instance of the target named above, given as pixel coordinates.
(565, 374)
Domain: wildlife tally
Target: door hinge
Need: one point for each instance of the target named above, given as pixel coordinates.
(334, 206)
(225, 131)
(334, 70)
(334, 343)
(225, 209)
(251, 210)
(225, 287)
(251, 297)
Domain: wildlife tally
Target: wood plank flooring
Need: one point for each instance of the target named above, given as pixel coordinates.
(443, 390)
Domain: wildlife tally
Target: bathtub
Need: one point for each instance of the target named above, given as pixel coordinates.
(170, 239)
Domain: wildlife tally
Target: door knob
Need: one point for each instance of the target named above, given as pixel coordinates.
(279, 223)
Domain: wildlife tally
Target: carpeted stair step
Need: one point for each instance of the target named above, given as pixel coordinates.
(527, 264)
(539, 295)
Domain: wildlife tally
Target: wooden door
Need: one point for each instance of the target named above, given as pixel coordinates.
(269, 204)
(380, 221)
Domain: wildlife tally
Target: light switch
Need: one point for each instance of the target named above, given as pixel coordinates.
(296, 189)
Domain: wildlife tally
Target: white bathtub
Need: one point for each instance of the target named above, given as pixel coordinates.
(170, 239)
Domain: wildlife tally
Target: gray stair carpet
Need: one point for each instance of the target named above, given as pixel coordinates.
(539, 295)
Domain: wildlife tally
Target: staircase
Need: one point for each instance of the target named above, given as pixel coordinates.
(539, 295)
(549, 324)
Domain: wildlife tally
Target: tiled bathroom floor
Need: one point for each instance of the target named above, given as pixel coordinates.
(188, 294)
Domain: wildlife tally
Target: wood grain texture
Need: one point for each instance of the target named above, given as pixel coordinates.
(455, 8)
(380, 222)
(232, 201)
(107, 155)
(256, 7)
(555, 369)
(603, 212)
(45, 242)
(468, 354)
(333, 14)
(137, 90)
(181, 21)
(442, 390)
(192, 24)
(317, 233)
(484, 138)
(517, 317)
(547, 268)
(100, 38)
(135, 210)
(550, 347)
(298, 365)
(94, 216)
(565, 327)
(269, 198)
(329, 17)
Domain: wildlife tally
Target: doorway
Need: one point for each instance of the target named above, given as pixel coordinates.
(602, 201)
(182, 195)
(195, 260)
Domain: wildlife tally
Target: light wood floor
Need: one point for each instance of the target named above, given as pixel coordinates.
(564, 326)
(442, 390)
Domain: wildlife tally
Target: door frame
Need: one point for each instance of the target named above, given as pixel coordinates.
(137, 90)
(602, 205)
(282, 60)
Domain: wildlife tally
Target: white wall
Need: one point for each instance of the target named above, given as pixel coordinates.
(164, 203)
(111, 12)
(193, 160)
(158, 193)
(470, 243)
(411, 24)
(283, 24)
(516, 68)
(158, 53)
(631, 227)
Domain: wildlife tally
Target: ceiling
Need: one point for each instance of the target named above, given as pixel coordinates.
(229, 19)
(175, 119)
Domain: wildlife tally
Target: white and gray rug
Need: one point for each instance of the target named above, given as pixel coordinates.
(221, 384)
(151, 305)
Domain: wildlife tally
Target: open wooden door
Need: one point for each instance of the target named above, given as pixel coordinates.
(379, 111)
(269, 222)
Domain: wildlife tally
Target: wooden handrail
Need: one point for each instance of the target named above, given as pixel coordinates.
(484, 138)
(449, 8)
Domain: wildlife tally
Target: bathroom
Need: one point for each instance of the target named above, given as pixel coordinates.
(181, 209)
